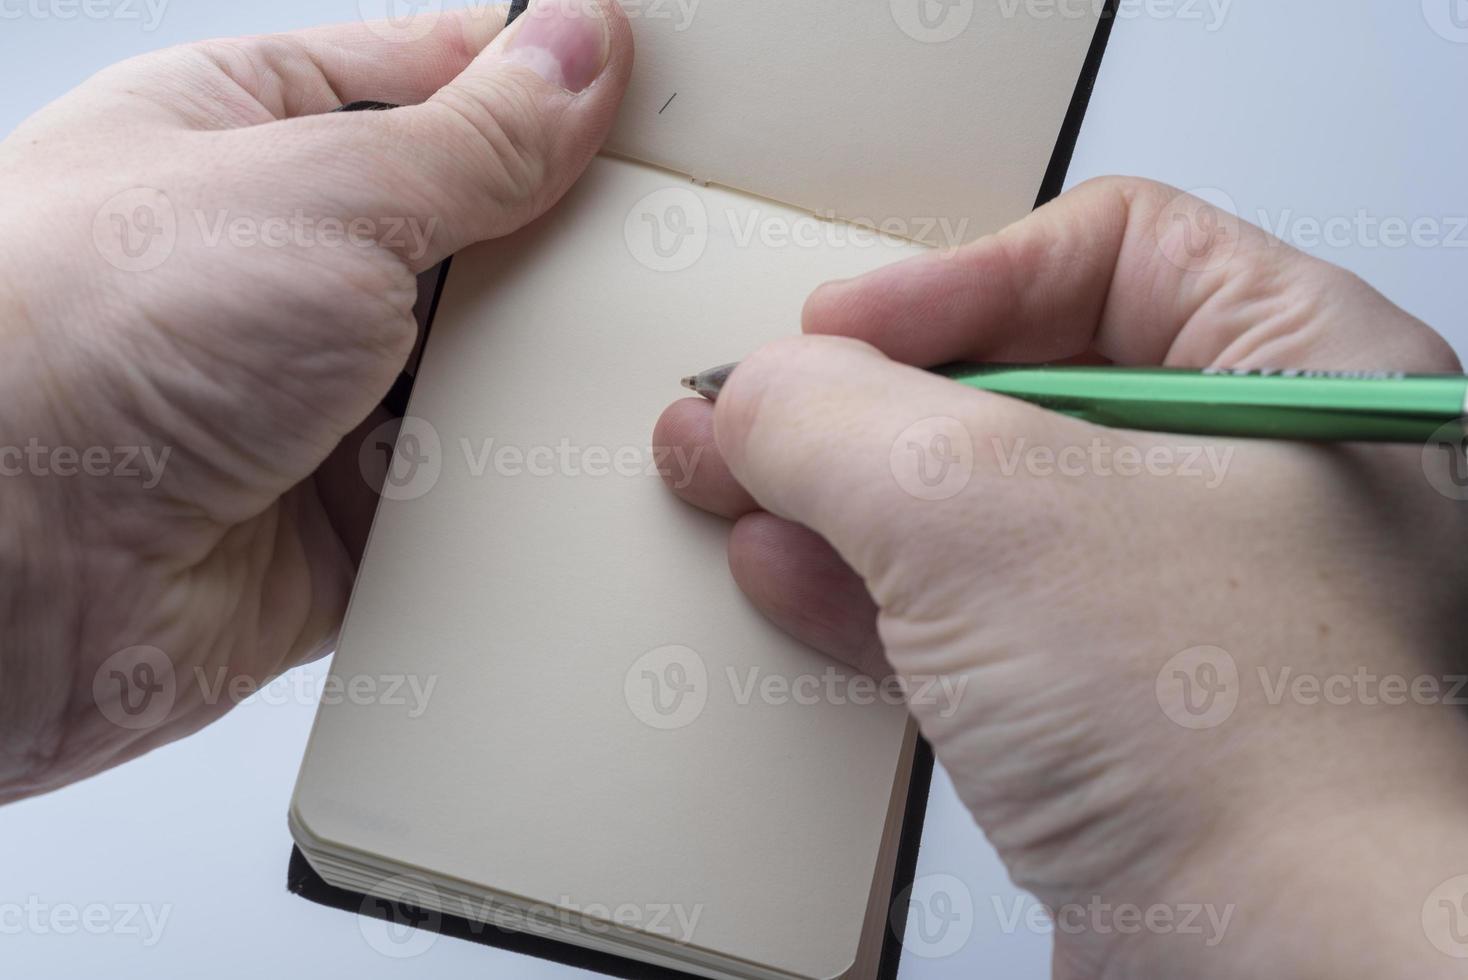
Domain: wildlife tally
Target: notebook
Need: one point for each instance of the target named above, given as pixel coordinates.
(596, 741)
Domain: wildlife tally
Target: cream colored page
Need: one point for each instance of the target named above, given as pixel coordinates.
(554, 595)
(935, 118)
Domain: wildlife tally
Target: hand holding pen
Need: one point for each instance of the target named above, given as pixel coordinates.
(1172, 645)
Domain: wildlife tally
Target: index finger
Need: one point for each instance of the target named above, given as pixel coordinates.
(309, 71)
(1136, 272)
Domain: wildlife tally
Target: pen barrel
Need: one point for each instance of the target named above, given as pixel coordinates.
(1296, 405)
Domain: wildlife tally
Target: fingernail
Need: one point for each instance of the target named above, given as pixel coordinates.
(563, 41)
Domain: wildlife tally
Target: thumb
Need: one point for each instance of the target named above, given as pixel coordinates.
(882, 460)
(494, 148)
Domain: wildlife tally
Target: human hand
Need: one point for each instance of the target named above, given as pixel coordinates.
(1127, 614)
(208, 284)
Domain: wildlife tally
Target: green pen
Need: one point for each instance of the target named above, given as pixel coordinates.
(1307, 406)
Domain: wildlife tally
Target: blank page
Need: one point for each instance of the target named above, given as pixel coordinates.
(563, 600)
(936, 116)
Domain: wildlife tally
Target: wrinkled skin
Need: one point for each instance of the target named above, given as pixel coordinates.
(238, 363)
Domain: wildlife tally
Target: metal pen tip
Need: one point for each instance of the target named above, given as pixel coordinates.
(709, 383)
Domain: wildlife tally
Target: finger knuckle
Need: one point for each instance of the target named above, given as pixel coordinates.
(1437, 354)
(1135, 193)
(499, 135)
(257, 64)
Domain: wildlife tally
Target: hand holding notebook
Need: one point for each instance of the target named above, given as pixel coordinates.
(208, 284)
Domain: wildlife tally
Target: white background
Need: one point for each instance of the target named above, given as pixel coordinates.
(1343, 111)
